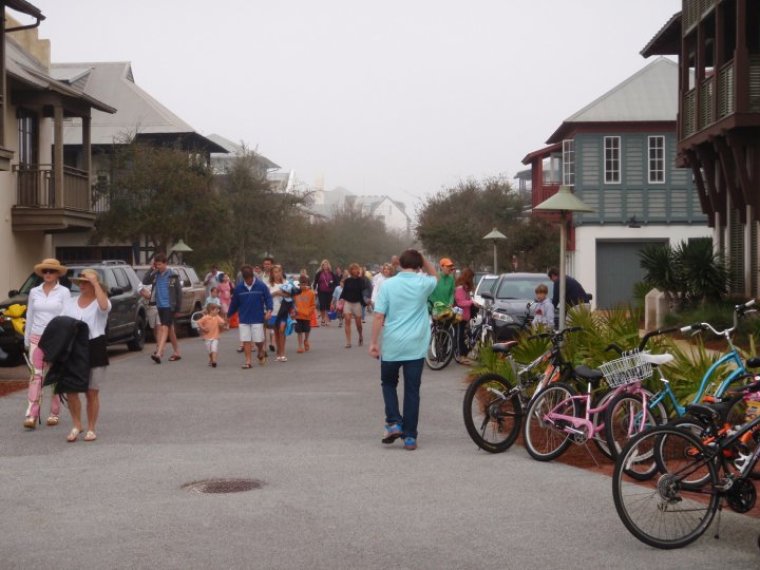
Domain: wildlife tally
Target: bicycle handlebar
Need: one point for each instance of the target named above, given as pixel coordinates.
(656, 332)
(615, 347)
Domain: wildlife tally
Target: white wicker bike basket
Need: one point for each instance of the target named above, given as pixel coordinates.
(625, 370)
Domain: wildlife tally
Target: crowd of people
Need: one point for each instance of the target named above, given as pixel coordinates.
(266, 306)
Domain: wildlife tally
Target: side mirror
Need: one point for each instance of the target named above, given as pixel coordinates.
(486, 295)
(13, 292)
(116, 291)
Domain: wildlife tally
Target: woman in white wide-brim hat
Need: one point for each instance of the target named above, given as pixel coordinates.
(46, 301)
(92, 307)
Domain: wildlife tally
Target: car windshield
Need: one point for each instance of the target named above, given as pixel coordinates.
(521, 288)
(486, 285)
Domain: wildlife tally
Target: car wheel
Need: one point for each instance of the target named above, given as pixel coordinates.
(138, 339)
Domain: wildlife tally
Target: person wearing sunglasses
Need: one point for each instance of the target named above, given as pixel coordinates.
(46, 301)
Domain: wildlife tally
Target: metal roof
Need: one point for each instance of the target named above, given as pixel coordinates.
(23, 67)
(25, 8)
(236, 149)
(667, 41)
(649, 95)
(138, 113)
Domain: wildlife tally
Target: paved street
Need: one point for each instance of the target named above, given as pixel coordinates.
(332, 497)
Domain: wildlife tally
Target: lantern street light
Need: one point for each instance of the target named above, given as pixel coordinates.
(179, 248)
(495, 235)
(564, 202)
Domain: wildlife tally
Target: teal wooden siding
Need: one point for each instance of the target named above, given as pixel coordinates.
(673, 202)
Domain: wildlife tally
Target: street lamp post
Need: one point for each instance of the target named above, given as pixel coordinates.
(495, 235)
(179, 248)
(564, 202)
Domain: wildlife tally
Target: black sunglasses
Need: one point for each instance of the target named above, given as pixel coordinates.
(46, 271)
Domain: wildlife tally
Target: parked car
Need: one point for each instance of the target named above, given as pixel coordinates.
(193, 292)
(486, 284)
(513, 294)
(126, 321)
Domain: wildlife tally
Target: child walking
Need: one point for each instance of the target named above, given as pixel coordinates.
(305, 305)
(337, 306)
(211, 325)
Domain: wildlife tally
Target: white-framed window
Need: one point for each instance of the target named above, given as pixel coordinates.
(612, 160)
(568, 162)
(656, 156)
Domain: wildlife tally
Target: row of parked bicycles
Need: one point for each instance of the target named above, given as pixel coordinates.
(676, 464)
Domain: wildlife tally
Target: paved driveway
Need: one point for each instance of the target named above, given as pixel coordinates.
(333, 496)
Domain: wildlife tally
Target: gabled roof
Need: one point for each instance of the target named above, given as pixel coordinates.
(23, 67)
(138, 113)
(236, 149)
(648, 95)
(25, 8)
(667, 41)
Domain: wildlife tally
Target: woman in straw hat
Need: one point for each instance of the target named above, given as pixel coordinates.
(92, 307)
(46, 301)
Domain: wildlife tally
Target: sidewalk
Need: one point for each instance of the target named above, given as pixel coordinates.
(332, 497)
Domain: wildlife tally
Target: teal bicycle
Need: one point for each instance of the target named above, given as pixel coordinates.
(627, 412)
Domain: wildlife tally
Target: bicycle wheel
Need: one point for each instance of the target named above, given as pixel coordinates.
(544, 439)
(666, 515)
(624, 418)
(695, 428)
(441, 349)
(600, 440)
(491, 415)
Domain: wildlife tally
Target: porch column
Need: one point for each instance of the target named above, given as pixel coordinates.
(748, 265)
(87, 157)
(58, 155)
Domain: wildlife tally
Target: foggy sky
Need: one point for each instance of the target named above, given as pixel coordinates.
(401, 97)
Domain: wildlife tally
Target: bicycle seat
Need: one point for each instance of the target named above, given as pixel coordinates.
(702, 412)
(657, 359)
(753, 362)
(504, 347)
(589, 374)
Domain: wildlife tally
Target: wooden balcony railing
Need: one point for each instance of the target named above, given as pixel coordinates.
(726, 90)
(689, 114)
(706, 98)
(693, 10)
(36, 187)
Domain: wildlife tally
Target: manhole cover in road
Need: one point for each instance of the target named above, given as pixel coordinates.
(222, 485)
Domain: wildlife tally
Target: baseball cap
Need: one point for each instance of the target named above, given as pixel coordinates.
(446, 262)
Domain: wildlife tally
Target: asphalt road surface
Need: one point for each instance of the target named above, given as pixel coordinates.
(331, 496)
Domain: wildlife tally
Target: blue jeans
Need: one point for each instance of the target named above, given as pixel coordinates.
(389, 372)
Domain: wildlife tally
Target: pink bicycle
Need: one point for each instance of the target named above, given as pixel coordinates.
(560, 416)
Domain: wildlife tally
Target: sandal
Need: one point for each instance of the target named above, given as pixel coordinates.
(90, 435)
(73, 435)
(175, 358)
(348, 346)
(247, 366)
(52, 420)
(155, 358)
(262, 360)
(306, 345)
(30, 422)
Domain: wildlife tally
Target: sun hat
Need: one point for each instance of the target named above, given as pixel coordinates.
(50, 263)
(446, 262)
(82, 277)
